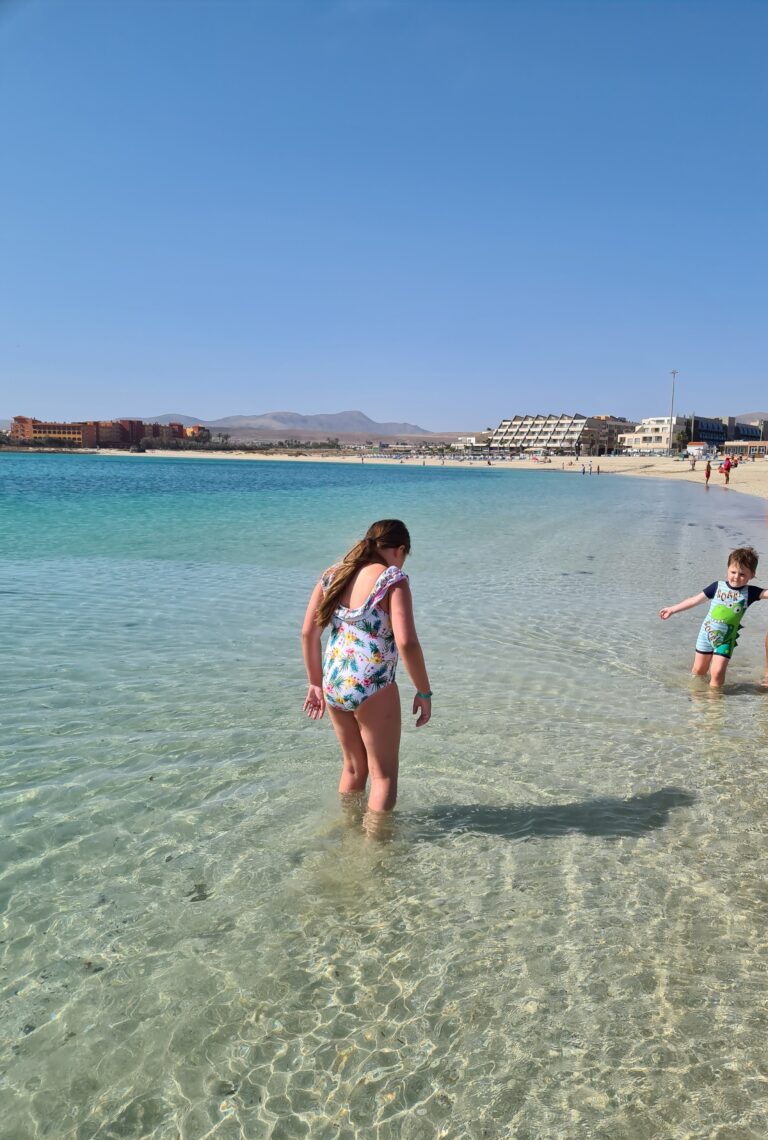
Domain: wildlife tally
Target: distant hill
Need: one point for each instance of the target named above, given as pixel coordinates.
(167, 418)
(345, 422)
(294, 424)
(750, 417)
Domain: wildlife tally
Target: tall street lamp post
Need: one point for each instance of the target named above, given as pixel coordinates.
(673, 374)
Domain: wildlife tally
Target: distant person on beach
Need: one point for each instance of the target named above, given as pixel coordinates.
(366, 600)
(729, 600)
(707, 473)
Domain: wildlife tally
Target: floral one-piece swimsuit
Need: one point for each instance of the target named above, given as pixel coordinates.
(361, 656)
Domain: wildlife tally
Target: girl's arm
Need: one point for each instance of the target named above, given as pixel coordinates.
(688, 604)
(409, 648)
(314, 705)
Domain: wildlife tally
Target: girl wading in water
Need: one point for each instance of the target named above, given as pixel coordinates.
(366, 600)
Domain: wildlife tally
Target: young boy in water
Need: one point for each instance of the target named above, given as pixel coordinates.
(728, 600)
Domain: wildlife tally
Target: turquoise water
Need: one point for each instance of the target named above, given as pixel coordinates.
(566, 935)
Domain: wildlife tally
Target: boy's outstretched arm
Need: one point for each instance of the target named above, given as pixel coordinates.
(688, 604)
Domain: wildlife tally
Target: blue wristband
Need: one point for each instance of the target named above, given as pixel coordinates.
(424, 696)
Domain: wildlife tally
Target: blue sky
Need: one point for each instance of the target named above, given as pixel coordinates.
(438, 211)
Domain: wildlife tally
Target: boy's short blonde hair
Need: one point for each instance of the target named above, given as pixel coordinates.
(746, 557)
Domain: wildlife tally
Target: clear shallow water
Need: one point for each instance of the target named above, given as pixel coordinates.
(566, 935)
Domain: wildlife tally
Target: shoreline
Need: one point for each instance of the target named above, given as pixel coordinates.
(748, 478)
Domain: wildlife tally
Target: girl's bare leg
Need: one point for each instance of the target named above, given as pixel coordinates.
(355, 772)
(717, 675)
(701, 663)
(379, 721)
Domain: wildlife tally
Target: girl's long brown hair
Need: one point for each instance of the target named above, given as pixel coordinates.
(383, 534)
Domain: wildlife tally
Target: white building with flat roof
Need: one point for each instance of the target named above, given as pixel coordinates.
(652, 436)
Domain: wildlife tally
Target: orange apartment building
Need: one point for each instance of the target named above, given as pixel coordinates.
(101, 433)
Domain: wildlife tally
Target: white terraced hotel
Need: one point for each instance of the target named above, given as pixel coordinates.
(558, 435)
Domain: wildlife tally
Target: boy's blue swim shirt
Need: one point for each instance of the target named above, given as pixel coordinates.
(720, 629)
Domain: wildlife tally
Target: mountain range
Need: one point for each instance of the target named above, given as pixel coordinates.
(333, 424)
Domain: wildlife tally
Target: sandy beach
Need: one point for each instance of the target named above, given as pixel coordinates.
(748, 478)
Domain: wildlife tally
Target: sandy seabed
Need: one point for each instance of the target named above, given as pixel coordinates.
(749, 478)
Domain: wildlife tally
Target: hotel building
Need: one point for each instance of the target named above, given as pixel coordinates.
(101, 433)
(558, 435)
(652, 435)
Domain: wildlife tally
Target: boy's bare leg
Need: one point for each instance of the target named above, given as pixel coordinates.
(717, 673)
(701, 663)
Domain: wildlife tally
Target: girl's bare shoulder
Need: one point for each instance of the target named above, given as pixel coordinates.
(362, 584)
(372, 570)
